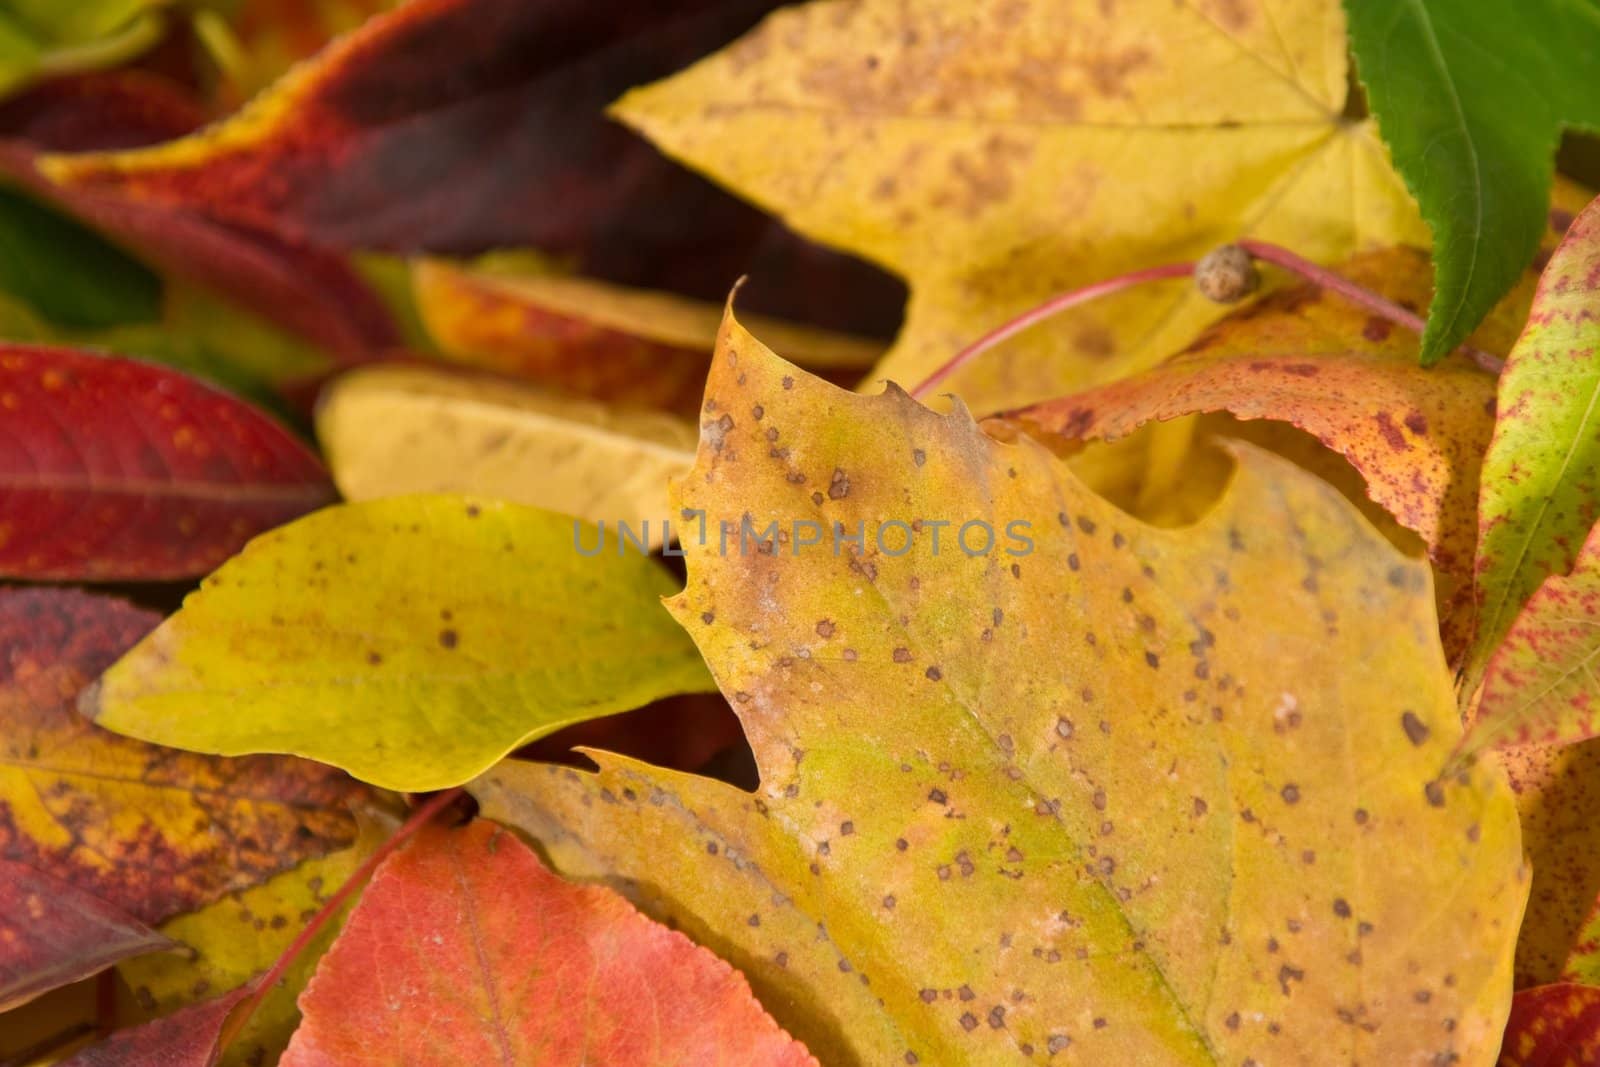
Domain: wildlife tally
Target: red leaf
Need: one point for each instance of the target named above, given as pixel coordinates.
(187, 1038)
(310, 291)
(122, 109)
(112, 469)
(369, 147)
(464, 949)
(1553, 1026)
(54, 934)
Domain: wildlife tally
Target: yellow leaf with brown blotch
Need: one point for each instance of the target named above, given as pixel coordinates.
(1135, 795)
(997, 152)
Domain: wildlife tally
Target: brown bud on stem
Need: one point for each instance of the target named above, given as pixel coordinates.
(1227, 275)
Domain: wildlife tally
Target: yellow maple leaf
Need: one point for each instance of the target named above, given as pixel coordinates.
(995, 152)
(1120, 790)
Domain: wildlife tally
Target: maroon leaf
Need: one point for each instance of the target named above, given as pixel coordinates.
(307, 290)
(112, 469)
(369, 147)
(123, 109)
(189, 1037)
(54, 933)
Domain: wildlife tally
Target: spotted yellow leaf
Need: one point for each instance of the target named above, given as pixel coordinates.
(997, 153)
(1091, 790)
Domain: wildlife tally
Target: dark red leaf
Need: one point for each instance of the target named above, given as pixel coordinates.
(53, 934)
(112, 469)
(123, 109)
(312, 292)
(370, 147)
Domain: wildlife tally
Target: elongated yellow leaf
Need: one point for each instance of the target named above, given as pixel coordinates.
(393, 430)
(1122, 795)
(996, 152)
(412, 641)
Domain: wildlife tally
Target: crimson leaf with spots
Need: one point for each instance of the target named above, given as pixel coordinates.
(112, 469)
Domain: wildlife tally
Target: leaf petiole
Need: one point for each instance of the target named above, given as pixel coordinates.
(1264, 251)
(240, 1015)
(1359, 295)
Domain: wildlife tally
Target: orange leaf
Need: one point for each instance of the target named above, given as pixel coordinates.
(464, 949)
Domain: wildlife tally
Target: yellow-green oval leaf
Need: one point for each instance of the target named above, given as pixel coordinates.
(412, 641)
(1136, 796)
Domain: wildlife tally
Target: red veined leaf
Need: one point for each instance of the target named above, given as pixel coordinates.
(465, 949)
(113, 469)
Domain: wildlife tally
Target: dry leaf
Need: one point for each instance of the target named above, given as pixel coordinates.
(1078, 797)
(393, 430)
(997, 153)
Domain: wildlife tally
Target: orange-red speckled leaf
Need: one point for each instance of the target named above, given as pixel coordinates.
(152, 832)
(1156, 797)
(465, 949)
(1553, 1026)
(1311, 358)
(112, 469)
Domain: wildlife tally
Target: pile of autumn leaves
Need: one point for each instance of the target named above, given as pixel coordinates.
(1220, 770)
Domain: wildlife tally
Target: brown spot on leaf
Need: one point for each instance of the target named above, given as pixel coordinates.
(839, 486)
(1416, 730)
